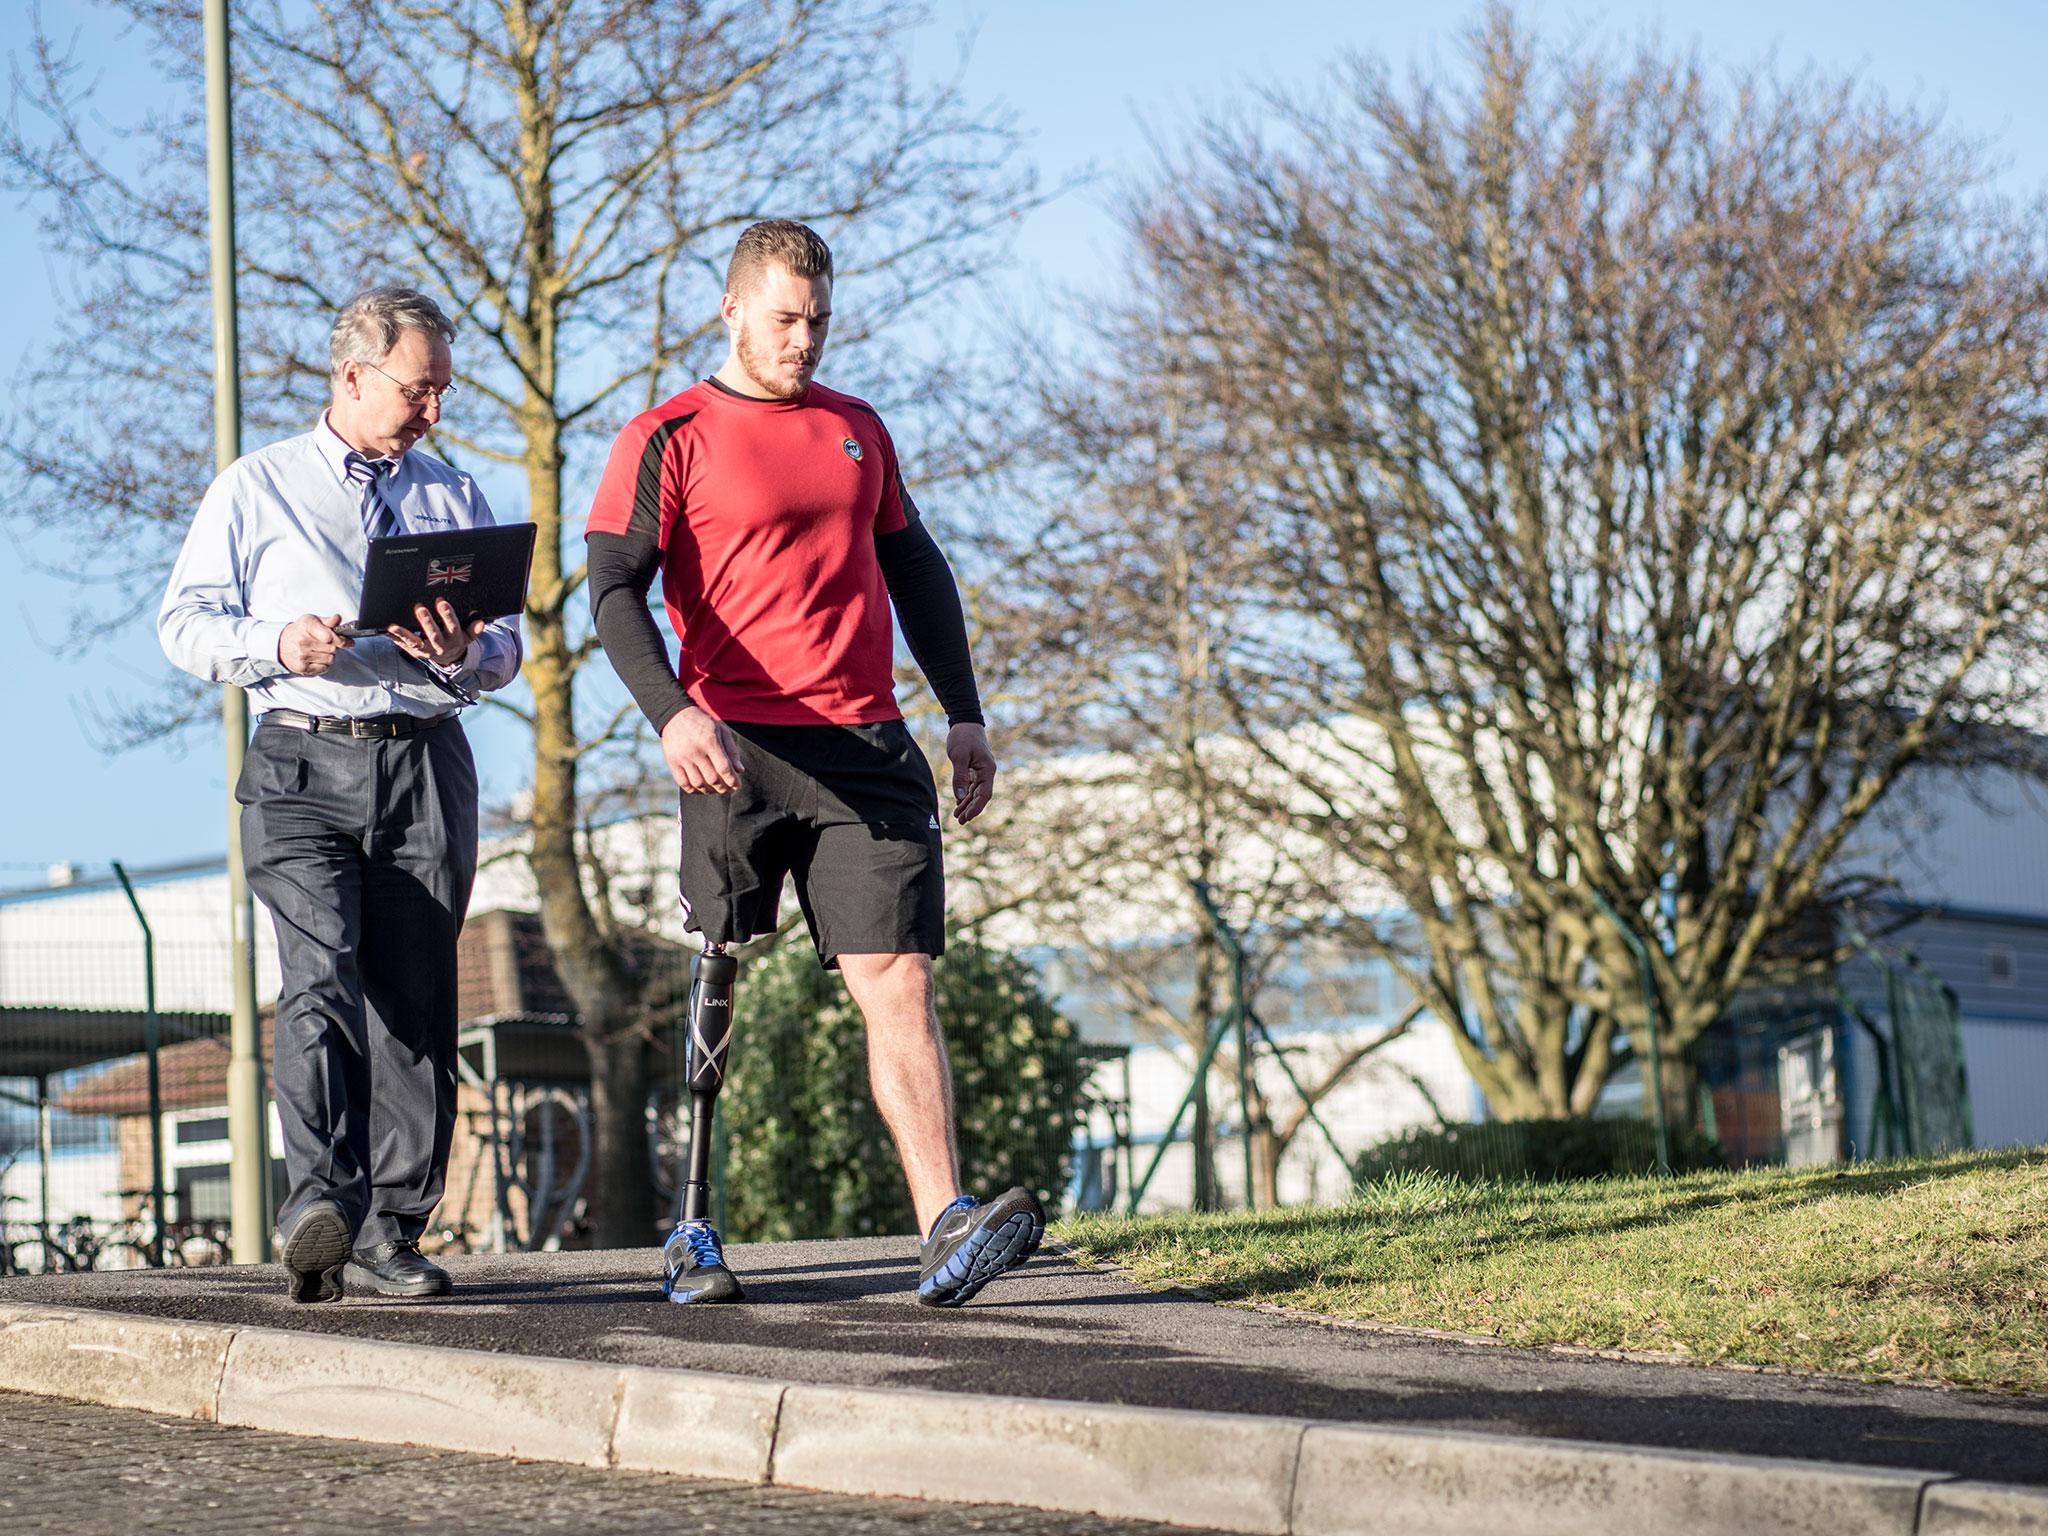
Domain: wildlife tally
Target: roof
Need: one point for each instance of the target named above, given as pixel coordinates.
(502, 967)
(66, 880)
(41, 1041)
(193, 1075)
(505, 982)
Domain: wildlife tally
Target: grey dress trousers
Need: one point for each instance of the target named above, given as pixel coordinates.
(364, 851)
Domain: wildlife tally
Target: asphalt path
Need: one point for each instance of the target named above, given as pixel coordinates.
(842, 1313)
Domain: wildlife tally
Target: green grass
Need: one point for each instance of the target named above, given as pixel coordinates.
(1929, 1270)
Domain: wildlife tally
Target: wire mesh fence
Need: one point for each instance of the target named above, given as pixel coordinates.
(91, 976)
(1057, 1087)
(1064, 1083)
(93, 1123)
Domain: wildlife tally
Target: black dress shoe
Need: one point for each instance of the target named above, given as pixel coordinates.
(314, 1252)
(398, 1269)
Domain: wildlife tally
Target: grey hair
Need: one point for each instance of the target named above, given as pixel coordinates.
(367, 328)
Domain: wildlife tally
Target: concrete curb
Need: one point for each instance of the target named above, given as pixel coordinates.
(1276, 1477)
(1447, 1484)
(455, 1400)
(1219, 1470)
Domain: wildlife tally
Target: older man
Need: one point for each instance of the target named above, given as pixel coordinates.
(359, 795)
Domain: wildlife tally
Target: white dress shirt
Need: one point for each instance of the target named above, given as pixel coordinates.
(280, 534)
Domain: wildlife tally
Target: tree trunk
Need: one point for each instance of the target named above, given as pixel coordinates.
(620, 1192)
(1266, 1150)
(1202, 1142)
(619, 1168)
(1681, 1092)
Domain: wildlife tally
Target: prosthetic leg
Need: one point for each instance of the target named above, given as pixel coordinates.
(693, 1257)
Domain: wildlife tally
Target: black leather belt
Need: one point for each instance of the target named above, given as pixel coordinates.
(373, 727)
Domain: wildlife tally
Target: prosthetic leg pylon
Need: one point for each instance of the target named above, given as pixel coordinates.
(693, 1258)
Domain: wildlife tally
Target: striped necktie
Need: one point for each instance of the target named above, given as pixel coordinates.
(379, 520)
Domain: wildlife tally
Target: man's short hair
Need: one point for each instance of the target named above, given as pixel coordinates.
(795, 246)
(367, 328)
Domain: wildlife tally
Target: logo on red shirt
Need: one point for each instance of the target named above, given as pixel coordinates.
(852, 449)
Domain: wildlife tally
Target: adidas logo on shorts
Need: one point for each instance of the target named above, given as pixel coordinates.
(932, 825)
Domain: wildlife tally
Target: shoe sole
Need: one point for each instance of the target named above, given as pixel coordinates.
(707, 1286)
(359, 1277)
(314, 1255)
(991, 1252)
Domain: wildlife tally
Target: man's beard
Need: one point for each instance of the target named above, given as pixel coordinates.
(761, 363)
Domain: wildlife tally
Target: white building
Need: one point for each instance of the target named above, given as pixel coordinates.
(1968, 855)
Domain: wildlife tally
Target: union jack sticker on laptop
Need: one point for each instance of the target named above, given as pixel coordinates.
(447, 573)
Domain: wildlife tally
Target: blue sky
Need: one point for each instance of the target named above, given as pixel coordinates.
(1087, 81)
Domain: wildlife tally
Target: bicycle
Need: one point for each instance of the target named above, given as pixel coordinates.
(69, 1248)
(20, 1255)
(185, 1244)
(12, 1248)
(199, 1244)
(450, 1237)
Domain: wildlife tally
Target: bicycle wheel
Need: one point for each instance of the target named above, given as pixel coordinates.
(200, 1250)
(121, 1255)
(35, 1256)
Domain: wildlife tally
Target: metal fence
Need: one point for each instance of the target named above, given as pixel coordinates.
(93, 1121)
(1058, 1085)
(1064, 1082)
(90, 980)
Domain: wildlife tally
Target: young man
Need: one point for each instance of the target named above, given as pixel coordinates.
(776, 515)
(358, 795)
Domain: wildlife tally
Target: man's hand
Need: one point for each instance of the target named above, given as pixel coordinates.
(441, 639)
(702, 755)
(974, 770)
(310, 643)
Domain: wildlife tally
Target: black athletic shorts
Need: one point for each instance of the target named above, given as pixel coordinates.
(850, 811)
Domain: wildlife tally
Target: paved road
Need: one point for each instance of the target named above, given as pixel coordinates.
(842, 1313)
(66, 1468)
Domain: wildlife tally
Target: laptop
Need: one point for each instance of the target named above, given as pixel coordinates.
(481, 572)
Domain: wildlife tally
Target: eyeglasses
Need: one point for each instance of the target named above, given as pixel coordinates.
(417, 395)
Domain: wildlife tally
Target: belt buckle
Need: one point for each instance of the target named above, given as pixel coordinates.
(358, 729)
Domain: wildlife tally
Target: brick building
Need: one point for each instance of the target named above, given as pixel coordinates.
(521, 1133)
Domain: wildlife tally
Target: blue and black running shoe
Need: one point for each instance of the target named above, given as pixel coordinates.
(695, 1264)
(971, 1243)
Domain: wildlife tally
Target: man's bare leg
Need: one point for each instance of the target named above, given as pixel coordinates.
(907, 1067)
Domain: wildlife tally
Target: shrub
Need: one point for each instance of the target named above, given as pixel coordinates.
(1541, 1150)
(806, 1152)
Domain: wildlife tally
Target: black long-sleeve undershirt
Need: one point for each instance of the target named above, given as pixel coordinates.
(934, 624)
(622, 568)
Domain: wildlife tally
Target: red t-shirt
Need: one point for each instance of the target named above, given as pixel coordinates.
(766, 513)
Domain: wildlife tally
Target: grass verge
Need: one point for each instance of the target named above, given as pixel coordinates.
(1924, 1270)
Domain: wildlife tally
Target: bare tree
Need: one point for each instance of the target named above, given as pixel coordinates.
(568, 175)
(1138, 841)
(1645, 474)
